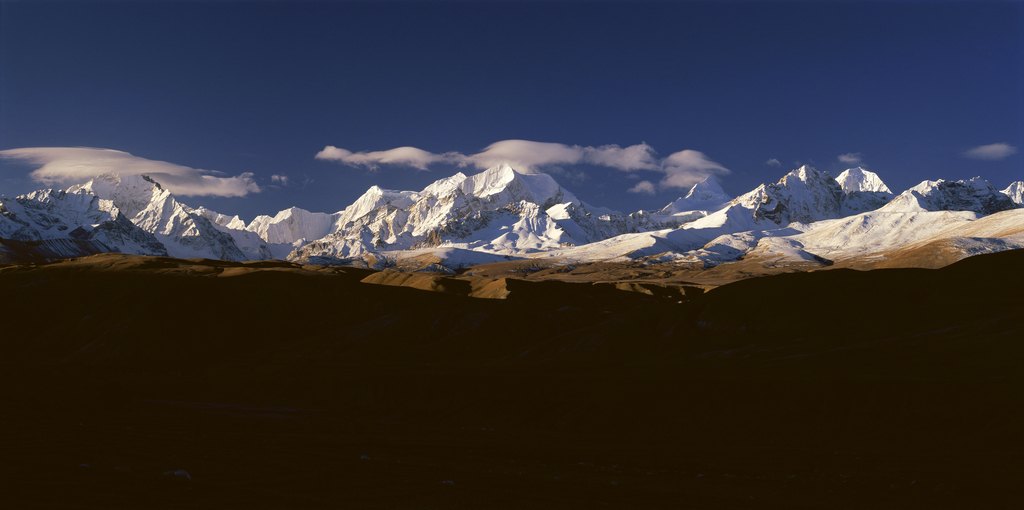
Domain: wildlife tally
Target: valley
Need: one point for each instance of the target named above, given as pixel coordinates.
(268, 382)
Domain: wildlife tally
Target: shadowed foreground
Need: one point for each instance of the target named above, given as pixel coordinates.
(278, 385)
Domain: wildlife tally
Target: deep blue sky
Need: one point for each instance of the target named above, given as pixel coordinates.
(262, 87)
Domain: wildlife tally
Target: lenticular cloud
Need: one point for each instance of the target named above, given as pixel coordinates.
(686, 168)
(992, 152)
(681, 169)
(58, 165)
(406, 156)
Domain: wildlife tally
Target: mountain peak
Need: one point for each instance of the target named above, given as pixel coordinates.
(803, 195)
(805, 173)
(975, 195)
(706, 190)
(704, 196)
(539, 188)
(130, 193)
(859, 179)
(504, 167)
(1016, 192)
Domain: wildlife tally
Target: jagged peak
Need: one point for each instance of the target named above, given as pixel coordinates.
(979, 183)
(105, 185)
(152, 181)
(490, 181)
(976, 183)
(704, 195)
(976, 195)
(706, 189)
(445, 186)
(503, 167)
(809, 178)
(805, 173)
(859, 179)
(223, 220)
(1016, 192)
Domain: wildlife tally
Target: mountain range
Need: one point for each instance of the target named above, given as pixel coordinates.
(806, 219)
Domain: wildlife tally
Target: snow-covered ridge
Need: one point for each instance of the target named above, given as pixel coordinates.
(805, 217)
(499, 210)
(975, 195)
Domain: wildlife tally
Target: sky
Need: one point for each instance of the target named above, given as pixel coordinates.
(249, 108)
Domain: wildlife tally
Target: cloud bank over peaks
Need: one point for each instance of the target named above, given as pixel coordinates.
(682, 169)
(406, 156)
(524, 155)
(531, 156)
(68, 165)
(992, 152)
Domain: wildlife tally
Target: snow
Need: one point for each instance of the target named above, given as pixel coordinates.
(1016, 192)
(876, 233)
(223, 220)
(975, 195)
(291, 225)
(859, 179)
(706, 195)
(805, 195)
(499, 210)
(503, 214)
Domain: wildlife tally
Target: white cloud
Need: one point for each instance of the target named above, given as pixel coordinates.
(683, 169)
(408, 156)
(642, 187)
(528, 156)
(634, 157)
(524, 155)
(63, 165)
(773, 162)
(852, 158)
(994, 151)
(282, 179)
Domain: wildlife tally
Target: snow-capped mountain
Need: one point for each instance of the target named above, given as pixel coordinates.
(291, 225)
(74, 214)
(787, 207)
(1016, 192)
(805, 217)
(858, 179)
(807, 195)
(131, 214)
(499, 210)
(183, 232)
(975, 195)
(706, 195)
(804, 195)
(864, 191)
